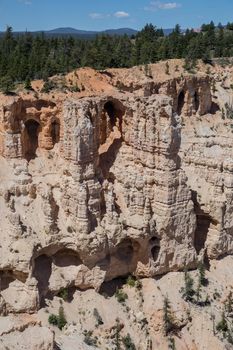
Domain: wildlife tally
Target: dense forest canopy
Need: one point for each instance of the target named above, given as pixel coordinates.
(27, 57)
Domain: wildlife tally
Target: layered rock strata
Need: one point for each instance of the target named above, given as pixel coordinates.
(104, 186)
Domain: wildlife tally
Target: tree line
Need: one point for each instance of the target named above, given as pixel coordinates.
(26, 57)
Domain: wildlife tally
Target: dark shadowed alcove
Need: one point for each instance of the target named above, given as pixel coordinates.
(55, 132)
(196, 101)
(180, 102)
(30, 139)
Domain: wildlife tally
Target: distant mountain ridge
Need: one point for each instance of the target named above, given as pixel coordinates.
(69, 31)
(120, 31)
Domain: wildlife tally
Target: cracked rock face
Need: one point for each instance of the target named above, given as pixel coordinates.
(104, 186)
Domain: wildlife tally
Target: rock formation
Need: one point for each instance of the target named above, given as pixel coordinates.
(92, 187)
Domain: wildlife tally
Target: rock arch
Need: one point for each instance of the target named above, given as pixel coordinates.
(50, 264)
(67, 257)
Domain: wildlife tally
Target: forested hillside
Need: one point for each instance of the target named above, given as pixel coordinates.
(27, 57)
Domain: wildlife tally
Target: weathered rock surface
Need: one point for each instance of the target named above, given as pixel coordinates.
(24, 332)
(137, 180)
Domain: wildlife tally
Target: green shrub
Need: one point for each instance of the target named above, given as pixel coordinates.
(27, 84)
(99, 320)
(75, 88)
(187, 291)
(216, 295)
(222, 324)
(168, 319)
(190, 64)
(229, 303)
(138, 285)
(117, 337)
(60, 320)
(171, 343)
(229, 111)
(53, 319)
(63, 293)
(128, 344)
(48, 86)
(6, 84)
(131, 281)
(89, 340)
(121, 296)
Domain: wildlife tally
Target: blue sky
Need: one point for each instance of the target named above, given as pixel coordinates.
(104, 14)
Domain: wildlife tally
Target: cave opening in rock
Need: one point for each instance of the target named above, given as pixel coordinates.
(126, 249)
(109, 288)
(66, 257)
(42, 272)
(55, 132)
(6, 278)
(203, 225)
(180, 103)
(196, 101)
(111, 117)
(111, 112)
(30, 139)
(214, 108)
(204, 221)
(154, 245)
(110, 135)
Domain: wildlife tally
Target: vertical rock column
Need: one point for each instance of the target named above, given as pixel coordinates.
(81, 151)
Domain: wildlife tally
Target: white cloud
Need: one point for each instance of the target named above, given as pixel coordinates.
(118, 14)
(169, 6)
(158, 5)
(96, 15)
(121, 14)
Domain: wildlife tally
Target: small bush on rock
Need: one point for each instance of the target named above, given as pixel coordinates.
(222, 324)
(58, 320)
(63, 293)
(99, 320)
(128, 344)
(168, 319)
(53, 319)
(121, 296)
(89, 340)
(131, 281)
(187, 291)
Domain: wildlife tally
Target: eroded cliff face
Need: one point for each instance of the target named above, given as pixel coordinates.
(97, 187)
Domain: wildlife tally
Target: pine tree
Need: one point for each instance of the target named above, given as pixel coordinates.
(188, 291)
(61, 318)
(168, 319)
(6, 84)
(201, 277)
(27, 84)
(229, 303)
